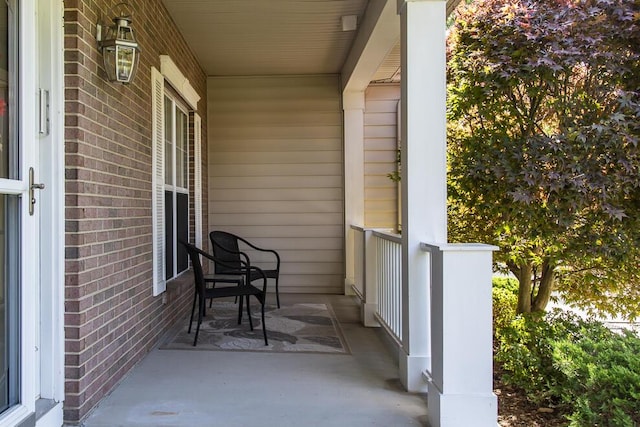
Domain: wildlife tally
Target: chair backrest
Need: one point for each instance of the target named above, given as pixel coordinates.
(226, 249)
(198, 274)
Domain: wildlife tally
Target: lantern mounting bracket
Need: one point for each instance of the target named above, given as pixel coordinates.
(119, 10)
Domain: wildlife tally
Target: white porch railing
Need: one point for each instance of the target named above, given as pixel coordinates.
(389, 280)
(457, 306)
(378, 278)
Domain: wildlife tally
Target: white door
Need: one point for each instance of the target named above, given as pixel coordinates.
(18, 215)
(27, 356)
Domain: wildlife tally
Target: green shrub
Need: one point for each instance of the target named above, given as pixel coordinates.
(579, 365)
(602, 375)
(504, 309)
(505, 300)
(526, 352)
(507, 283)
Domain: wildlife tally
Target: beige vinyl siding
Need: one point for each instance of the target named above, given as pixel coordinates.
(275, 173)
(380, 139)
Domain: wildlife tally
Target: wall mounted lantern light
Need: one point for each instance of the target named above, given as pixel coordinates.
(120, 50)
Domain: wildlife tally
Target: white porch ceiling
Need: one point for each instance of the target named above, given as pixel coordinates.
(276, 37)
(267, 37)
(389, 70)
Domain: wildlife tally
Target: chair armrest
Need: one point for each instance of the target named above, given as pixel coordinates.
(251, 245)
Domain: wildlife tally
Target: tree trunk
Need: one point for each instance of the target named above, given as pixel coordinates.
(524, 273)
(546, 287)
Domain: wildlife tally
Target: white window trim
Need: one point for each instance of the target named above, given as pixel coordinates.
(172, 74)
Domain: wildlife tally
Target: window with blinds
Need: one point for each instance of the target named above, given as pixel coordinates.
(171, 192)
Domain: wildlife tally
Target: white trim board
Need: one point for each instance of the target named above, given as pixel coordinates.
(174, 76)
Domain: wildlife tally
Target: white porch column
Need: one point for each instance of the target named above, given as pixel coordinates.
(461, 382)
(353, 106)
(424, 212)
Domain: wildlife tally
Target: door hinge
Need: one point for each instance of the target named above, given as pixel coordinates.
(44, 122)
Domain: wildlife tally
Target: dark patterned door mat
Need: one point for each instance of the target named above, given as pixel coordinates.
(297, 328)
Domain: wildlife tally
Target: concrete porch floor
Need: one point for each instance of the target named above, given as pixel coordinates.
(225, 388)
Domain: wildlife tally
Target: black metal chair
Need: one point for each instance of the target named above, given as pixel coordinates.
(226, 247)
(243, 288)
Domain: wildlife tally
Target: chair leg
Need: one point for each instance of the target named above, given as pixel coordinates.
(264, 325)
(200, 312)
(249, 314)
(193, 308)
(240, 310)
(213, 285)
(277, 293)
(204, 307)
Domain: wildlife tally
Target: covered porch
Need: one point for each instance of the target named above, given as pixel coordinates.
(362, 387)
(229, 388)
(276, 105)
(287, 105)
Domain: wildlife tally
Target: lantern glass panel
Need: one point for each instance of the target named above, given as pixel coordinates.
(125, 57)
(124, 33)
(109, 54)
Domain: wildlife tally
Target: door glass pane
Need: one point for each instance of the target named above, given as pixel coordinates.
(8, 150)
(9, 303)
(168, 141)
(9, 211)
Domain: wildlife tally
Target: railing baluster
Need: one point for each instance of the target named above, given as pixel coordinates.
(389, 269)
(398, 302)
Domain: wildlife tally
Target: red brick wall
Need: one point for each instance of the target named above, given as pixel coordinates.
(111, 318)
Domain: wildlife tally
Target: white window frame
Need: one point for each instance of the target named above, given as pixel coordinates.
(173, 187)
(197, 177)
(170, 73)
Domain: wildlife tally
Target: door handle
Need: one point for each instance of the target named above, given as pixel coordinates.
(32, 187)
